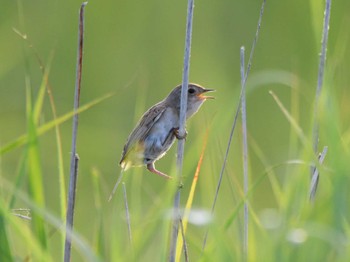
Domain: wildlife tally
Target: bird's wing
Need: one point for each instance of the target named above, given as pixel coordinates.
(143, 127)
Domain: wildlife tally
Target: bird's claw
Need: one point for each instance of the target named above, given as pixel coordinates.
(153, 170)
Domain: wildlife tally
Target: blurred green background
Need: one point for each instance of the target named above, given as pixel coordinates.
(135, 49)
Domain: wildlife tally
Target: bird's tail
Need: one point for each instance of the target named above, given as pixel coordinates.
(125, 164)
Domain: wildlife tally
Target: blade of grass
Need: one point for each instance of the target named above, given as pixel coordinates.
(34, 163)
(74, 157)
(22, 24)
(142, 240)
(5, 249)
(184, 241)
(70, 209)
(22, 167)
(36, 190)
(256, 183)
(116, 185)
(4, 243)
(60, 165)
(45, 71)
(245, 158)
(32, 150)
(99, 243)
(37, 252)
(291, 120)
(184, 221)
(61, 175)
(315, 175)
(41, 94)
(127, 214)
(22, 140)
(297, 129)
(84, 249)
(320, 77)
(276, 187)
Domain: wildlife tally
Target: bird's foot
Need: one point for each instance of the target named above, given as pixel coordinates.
(177, 135)
(153, 170)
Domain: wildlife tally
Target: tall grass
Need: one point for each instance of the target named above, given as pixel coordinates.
(137, 224)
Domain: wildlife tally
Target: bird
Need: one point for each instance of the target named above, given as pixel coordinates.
(158, 128)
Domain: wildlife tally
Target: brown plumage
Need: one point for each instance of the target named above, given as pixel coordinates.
(158, 127)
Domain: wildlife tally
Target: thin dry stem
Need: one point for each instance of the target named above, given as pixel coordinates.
(74, 156)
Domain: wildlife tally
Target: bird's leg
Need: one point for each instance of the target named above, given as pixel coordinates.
(177, 135)
(153, 170)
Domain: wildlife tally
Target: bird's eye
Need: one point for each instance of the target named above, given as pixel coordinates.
(191, 91)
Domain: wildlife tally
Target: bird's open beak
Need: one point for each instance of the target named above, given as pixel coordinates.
(202, 96)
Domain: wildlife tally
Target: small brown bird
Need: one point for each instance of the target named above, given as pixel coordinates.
(157, 129)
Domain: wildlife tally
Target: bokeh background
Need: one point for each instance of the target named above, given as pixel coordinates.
(135, 50)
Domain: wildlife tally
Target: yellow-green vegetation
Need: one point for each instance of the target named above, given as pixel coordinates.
(133, 57)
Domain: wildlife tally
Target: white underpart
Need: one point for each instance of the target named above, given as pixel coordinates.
(162, 127)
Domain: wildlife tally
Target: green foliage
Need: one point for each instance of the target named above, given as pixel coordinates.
(135, 50)
(6, 254)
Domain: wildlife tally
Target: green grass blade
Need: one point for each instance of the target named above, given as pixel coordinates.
(184, 221)
(29, 238)
(99, 233)
(61, 179)
(36, 190)
(264, 175)
(19, 226)
(5, 250)
(22, 140)
(41, 94)
(20, 177)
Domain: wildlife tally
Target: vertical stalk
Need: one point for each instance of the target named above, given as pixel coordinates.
(74, 156)
(182, 131)
(320, 77)
(245, 158)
